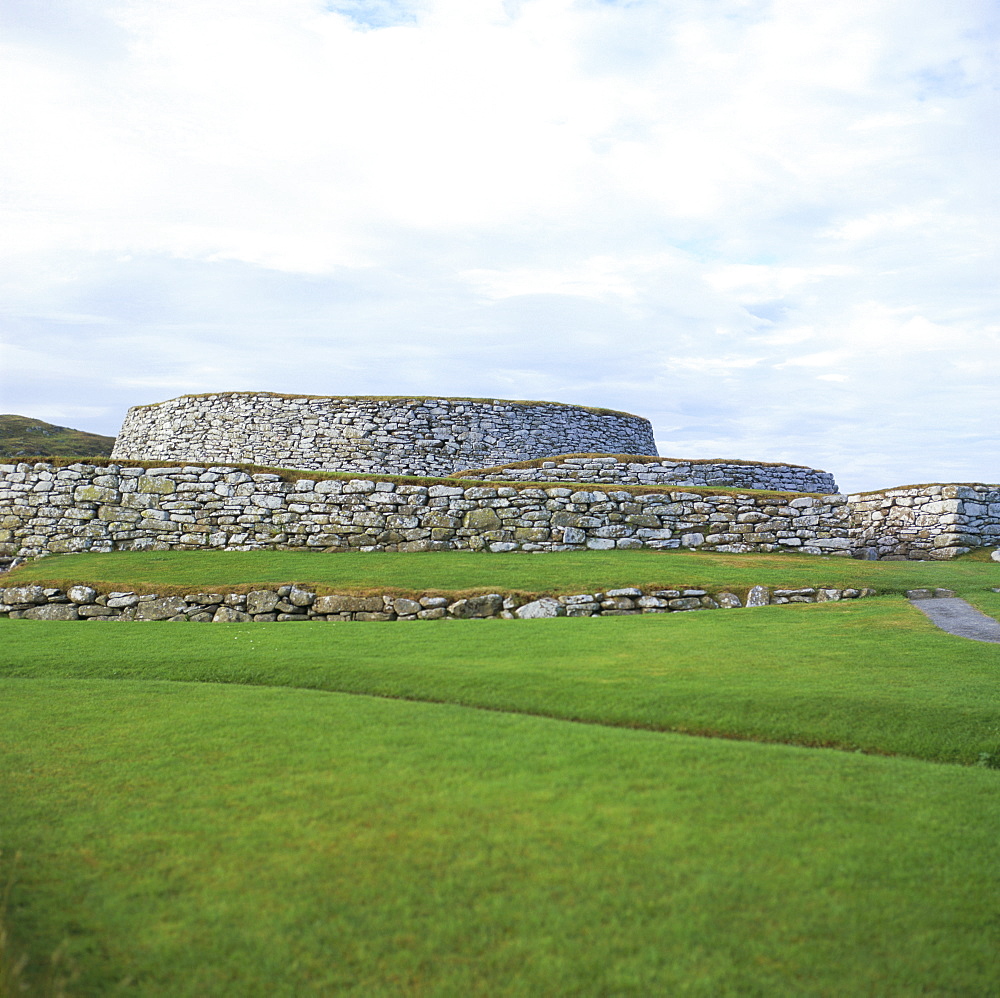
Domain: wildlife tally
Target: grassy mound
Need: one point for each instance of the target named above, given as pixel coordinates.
(21, 436)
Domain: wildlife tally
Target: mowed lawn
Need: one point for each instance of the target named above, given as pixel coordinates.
(509, 807)
(166, 572)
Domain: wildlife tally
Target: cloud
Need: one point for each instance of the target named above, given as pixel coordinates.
(768, 226)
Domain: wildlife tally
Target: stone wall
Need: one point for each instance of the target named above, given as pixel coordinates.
(626, 469)
(295, 603)
(925, 521)
(45, 509)
(391, 436)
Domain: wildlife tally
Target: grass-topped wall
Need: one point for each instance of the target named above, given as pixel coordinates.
(404, 435)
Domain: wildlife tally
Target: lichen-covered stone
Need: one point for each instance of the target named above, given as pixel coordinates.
(477, 606)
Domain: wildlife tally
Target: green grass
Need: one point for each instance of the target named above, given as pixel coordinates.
(461, 571)
(21, 436)
(873, 675)
(348, 808)
(199, 840)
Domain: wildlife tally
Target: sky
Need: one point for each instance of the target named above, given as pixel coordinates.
(768, 226)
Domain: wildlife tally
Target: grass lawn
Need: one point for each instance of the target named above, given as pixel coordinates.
(873, 674)
(364, 809)
(167, 572)
(192, 840)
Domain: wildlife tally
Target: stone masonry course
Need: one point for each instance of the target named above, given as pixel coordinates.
(386, 436)
(49, 509)
(296, 603)
(627, 469)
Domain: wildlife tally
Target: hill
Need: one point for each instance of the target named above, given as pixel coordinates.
(21, 436)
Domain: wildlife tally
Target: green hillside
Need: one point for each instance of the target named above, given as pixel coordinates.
(21, 436)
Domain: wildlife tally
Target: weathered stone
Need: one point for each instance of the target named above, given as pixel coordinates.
(96, 611)
(161, 609)
(24, 594)
(348, 604)
(758, 596)
(230, 615)
(81, 594)
(544, 607)
(477, 606)
(435, 613)
(301, 597)
(261, 601)
(482, 519)
(53, 611)
(687, 603)
(403, 607)
(122, 600)
(728, 601)
(618, 603)
(205, 599)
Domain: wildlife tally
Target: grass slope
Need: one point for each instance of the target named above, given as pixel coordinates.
(22, 436)
(459, 571)
(872, 675)
(266, 810)
(196, 840)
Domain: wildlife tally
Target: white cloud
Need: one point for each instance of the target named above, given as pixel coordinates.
(767, 225)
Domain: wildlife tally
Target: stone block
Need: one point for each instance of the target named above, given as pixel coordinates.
(544, 607)
(477, 606)
(53, 611)
(482, 519)
(403, 607)
(230, 615)
(161, 609)
(348, 604)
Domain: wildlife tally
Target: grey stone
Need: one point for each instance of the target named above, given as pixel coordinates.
(301, 597)
(348, 604)
(122, 600)
(477, 606)
(24, 594)
(160, 609)
(52, 611)
(758, 596)
(403, 606)
(81, 594)
(544, 607)
(435, 613)
(685, 603)
(261, 601)
(728, 601)
(229, 615)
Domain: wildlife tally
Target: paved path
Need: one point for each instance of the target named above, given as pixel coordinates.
(958, 617)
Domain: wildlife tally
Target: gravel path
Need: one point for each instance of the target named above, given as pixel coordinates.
(958, 617)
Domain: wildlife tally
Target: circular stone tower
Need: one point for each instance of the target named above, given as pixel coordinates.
(402, 435)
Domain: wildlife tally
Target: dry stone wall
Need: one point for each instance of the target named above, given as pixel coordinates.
(46, 509)
(624, 469)
(296, 603)
(925, 521)
(393, 436)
